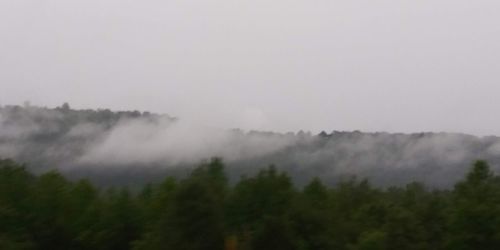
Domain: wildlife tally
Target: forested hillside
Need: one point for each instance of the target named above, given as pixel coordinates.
(133, 148)
(98, 179)
(265, 211)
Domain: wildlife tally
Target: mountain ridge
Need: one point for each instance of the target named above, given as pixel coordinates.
(128, 144)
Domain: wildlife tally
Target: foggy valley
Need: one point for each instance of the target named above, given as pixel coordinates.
(249, 125)
(132, 146)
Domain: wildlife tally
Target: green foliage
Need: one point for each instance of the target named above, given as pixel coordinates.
(265, 211)
(371, 240)
(475, 216)
(312, 217)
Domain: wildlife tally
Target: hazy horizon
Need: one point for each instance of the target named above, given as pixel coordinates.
(394, 66)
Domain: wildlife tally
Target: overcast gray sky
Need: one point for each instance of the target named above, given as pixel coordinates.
(284, 65)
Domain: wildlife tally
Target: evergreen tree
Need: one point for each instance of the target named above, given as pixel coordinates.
(475, 218)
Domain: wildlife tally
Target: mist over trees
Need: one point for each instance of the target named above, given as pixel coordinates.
(98, 179)
(132, 147)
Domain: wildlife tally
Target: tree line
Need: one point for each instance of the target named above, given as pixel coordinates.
(263, 211)
(80, 141)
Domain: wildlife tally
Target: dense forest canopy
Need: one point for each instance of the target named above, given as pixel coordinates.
(132, 147)
(265, 211)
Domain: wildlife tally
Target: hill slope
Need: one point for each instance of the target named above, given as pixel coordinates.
(130, 147)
